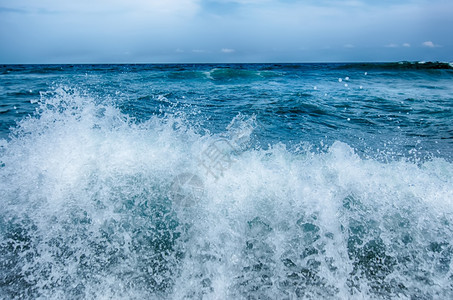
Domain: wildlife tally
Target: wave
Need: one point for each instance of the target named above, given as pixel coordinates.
(222, 74)
(176, 72)
(96, 205)
(403, 65)
(184, 74)
(69, 68)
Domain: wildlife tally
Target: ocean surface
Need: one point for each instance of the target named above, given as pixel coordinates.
(226, 181)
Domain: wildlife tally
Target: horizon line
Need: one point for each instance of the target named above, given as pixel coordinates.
(232, 63)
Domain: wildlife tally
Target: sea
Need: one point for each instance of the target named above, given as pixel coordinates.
(226, 181)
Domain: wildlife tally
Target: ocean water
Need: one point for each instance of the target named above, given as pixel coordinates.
(239, 181)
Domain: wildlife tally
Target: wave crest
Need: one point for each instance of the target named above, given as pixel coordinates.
(88, 210)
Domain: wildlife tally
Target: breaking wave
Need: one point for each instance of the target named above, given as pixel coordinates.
(97, 205)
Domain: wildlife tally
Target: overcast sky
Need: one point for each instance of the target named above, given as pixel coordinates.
(103, 31)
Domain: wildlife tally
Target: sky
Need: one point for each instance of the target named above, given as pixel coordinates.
(201, 31)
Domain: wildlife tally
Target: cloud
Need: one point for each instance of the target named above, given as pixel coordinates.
(12, 10)
(393, 45)
(430, 44)
(105, 7)
(245, 30)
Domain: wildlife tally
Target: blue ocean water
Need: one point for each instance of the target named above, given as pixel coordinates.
(227, 181)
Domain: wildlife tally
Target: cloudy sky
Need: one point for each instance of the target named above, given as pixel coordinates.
(103, 31)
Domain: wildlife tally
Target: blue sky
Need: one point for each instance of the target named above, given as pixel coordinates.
(103, 31)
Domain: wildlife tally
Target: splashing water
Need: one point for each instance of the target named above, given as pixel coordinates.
(89, 211)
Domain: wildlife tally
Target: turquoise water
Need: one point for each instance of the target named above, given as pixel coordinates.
(252, 181)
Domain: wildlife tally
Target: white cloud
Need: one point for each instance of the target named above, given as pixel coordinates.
(227, 50)
(106, 6)
(393, 45)
(430, 44)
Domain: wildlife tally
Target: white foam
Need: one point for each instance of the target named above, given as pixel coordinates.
(91, 189)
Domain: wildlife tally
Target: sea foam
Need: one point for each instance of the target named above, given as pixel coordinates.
(89, 211)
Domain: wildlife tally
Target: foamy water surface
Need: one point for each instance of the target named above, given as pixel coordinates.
(177, 196)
